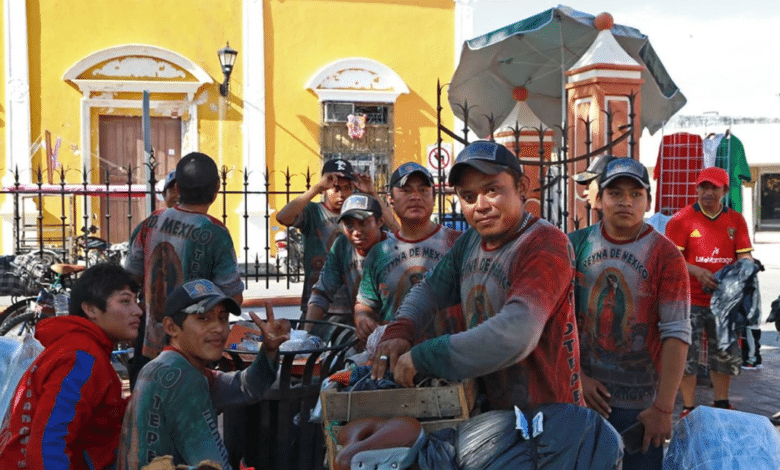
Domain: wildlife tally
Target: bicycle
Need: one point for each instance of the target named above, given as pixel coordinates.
(21, 318)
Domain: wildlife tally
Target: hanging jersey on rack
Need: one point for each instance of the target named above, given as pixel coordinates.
(680, 158)
(731, 157)
(711, 144)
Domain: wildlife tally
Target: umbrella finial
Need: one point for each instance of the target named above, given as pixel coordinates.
(603, 21)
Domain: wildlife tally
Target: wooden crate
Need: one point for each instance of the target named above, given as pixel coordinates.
(435, 407)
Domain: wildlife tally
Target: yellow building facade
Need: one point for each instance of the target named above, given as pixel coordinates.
(75, 72)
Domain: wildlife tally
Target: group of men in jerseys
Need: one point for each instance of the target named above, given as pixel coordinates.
(599, 318)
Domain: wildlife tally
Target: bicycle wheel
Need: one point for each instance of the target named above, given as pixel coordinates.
(18, 326)
(17, 308)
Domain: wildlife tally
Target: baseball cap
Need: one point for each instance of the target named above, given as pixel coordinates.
(169, 180)
(198, 296)
(624, 167)
(402, 173)
(594, 170)
(485, 156)
(338, 165)
(196, 170)
(360, 206)
(714, 175)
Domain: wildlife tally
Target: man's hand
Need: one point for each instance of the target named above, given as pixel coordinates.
(658, 427)
(404, 371)
(387, 354)
(275, 332)
(364, 325)
(596, 395)
(328, 180)
(704, 276)
(364, 183)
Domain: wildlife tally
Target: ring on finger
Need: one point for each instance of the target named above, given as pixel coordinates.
(383, 358)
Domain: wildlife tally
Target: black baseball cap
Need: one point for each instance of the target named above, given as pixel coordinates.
(198, 296)
(402, 173)
(594, 170)
(360, 206)
(485, 156)
(338, 165)
(624, 167)
(196, 170)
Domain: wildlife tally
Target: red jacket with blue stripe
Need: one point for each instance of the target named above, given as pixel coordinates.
(68, 407)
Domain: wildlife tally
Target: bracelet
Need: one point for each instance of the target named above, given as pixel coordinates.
(661, 409)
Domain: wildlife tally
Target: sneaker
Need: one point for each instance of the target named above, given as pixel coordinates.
(731, 407)
(684, 413)
(749, 365)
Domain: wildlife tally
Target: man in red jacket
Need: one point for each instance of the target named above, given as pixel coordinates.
(67, 409)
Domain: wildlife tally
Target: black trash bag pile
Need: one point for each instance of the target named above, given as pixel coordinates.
(736, 303)
(573, 437)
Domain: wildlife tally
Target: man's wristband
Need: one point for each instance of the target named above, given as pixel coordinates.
(661, 409)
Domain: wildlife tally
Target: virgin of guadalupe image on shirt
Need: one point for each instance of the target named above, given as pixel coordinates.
(478, 307)
(610, 309)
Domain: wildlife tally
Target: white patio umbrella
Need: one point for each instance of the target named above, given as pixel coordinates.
(535, 53)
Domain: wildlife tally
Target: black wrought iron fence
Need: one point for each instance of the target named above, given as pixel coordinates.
(52, 217)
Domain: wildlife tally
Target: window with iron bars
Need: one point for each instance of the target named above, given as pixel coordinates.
(373, 152)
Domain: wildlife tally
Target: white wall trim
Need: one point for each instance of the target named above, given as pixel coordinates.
(254, 126)
(127, 50)
(357, 79)
(17, 91)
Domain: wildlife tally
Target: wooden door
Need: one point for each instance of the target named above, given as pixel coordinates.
(120, 146)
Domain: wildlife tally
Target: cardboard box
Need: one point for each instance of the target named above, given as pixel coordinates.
(435, 407)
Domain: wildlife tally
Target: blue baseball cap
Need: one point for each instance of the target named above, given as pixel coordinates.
(198, 296)
(402, 173)
(624, 167)
(484, 156)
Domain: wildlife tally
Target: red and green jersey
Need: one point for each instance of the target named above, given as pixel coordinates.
(173, 246)
(709, 242)
(517, 303)
(630, 296)
(395, 265)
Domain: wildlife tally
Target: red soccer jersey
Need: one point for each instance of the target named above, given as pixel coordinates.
(708, 242)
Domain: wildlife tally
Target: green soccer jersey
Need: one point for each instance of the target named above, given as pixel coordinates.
(394, 266)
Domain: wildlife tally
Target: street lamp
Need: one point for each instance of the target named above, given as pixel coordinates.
(227, 57)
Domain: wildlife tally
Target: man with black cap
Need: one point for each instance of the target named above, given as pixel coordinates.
(178, 244)
(173, 410)
(361, 218)
(318, 225)
(710, 236)
(399, 262)
(632, 311)
(525, 345)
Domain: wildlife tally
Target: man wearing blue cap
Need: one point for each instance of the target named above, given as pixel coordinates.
(632, 296)
(512, 274)
(395, 265)
(173, 410)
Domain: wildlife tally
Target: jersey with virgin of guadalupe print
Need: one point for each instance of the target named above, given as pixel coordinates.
(343, 269)
(517, 303)
(395, 265)
(630, 296)
(319, 227)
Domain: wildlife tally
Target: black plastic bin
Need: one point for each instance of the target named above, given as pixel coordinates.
(268, 434)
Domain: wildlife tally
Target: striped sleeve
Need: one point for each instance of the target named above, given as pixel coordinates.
(62, 409)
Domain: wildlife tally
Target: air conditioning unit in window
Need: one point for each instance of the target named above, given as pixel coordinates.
(338, 111)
